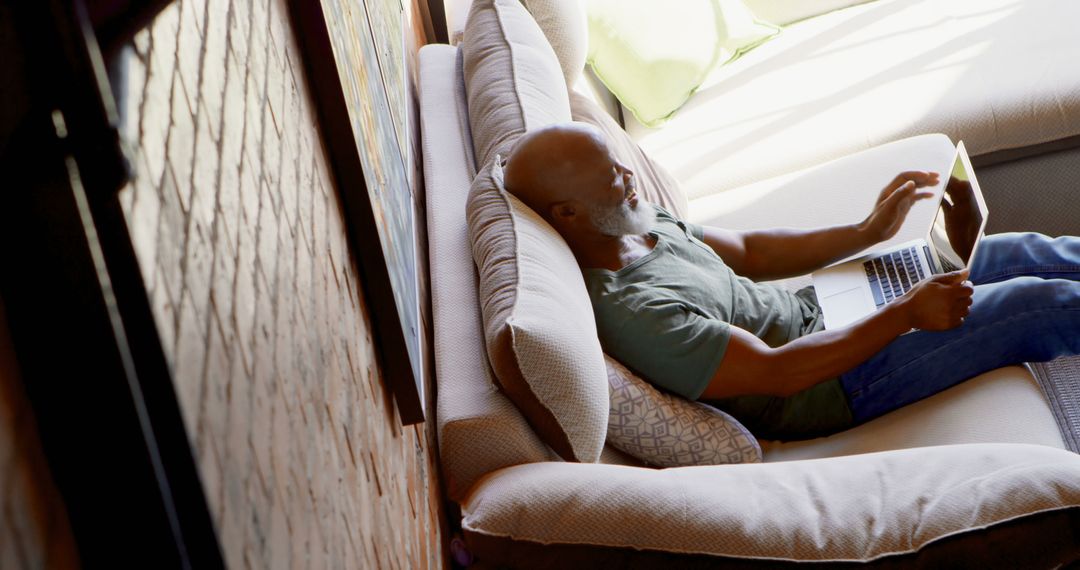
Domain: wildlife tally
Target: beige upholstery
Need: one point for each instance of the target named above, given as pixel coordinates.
(842, 191)
(538, 321)
(784, 12)
(1002, 406)
(517, 78)
(480, 430)
(844, 508)
(998, 73)
(841, 506)
(565, 25)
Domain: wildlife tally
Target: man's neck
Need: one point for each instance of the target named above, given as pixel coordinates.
(611, 253)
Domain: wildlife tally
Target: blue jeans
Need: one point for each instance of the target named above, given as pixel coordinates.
(1026, 308)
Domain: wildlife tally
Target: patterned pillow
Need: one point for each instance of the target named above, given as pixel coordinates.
(669, 431)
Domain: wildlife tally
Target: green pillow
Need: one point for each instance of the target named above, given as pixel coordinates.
(653, 54)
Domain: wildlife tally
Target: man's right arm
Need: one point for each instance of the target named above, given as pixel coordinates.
(751, 367)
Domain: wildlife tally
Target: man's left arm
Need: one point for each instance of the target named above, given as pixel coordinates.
(781, 253)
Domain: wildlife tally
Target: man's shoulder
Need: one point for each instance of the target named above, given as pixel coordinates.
(669, 224)
(663, 214)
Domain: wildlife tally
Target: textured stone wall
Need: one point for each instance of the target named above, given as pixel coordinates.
(241, 238)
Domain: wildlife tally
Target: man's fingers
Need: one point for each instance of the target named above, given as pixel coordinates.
(952, 277)
(919, 177)
(900, 192)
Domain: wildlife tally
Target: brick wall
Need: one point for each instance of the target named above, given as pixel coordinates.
(240, 235)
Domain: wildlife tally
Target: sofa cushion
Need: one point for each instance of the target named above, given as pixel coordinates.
(538, 321)
(669, 431)
(995, 73)
(512, 78)
(566, 28)
(653, 57)
(856, 508)
(653, 181)
(1001, 406)
(784, 12)
(479, 428)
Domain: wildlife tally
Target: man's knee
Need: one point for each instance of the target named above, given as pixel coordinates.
(1032, 293)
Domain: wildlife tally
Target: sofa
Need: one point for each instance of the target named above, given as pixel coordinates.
(976, 476)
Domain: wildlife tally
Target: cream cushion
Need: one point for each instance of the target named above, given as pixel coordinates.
(538, 321)
(666, 430)
(784, 12)
(512, 78)
(998, 73)
(480, 430)
(1001, 406)
(565, 24)
(653, 56)
(856, 508)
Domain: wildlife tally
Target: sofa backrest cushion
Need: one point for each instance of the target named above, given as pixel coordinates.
(512, 77)
(538, 320)
(653, 180)
(566, 26)
(666, 430)
(784, 12)
(654, 57)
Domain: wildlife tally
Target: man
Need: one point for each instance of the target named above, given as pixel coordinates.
(681, 304)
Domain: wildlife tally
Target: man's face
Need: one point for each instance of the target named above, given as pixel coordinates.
(609, 193)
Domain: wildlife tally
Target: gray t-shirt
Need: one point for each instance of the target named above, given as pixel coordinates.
(668, 315)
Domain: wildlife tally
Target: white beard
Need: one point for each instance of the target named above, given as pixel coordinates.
(623, 220)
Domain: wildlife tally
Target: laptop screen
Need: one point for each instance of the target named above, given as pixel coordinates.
(958, 222)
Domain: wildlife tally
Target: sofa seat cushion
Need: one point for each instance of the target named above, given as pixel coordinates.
(1002, 406)
(855, 508)
(998, 74)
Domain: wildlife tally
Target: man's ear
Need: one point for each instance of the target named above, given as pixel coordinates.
(563, 211)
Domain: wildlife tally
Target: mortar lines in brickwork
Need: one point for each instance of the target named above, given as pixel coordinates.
(301, 301)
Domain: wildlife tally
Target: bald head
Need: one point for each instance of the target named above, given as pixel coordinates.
(555, 163)
(568, 175)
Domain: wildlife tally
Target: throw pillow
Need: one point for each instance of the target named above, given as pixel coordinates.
(567, 30)
(538, 321)
(513, 82)
(654, 55)
(669, 431)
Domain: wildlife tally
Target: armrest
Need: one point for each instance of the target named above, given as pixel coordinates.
(479, 429)
(844, 508)
(842, 191)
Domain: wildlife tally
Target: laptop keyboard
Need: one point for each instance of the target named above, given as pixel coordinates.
(893, 274)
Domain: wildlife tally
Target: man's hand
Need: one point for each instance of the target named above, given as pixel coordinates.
(894, 203)
(939, 303)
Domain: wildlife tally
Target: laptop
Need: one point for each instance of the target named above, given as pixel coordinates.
(851, 290)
